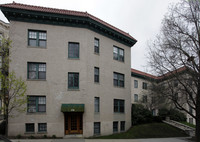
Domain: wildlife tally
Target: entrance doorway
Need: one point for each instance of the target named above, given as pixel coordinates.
(73, 123)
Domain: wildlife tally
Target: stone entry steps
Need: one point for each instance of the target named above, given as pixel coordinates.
(189, 130)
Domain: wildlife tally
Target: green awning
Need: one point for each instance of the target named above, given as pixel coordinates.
(72, 108)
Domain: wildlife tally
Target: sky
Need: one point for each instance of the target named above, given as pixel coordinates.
(140, 18)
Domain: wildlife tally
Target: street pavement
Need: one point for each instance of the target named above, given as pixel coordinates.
(106, 140)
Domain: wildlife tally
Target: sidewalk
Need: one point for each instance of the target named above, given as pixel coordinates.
(106, 140)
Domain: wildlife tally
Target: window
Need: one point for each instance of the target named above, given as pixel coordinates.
(42, 127)
(118, 105)
(144, 85)
(144, 100)
(154, 112)
(191, 120)
(97, 128)
(96, 74)
(115, 126)
(96, 45)
(190, 110)
(118, 79)
(175, 83)
(136, 97)
(1, 37)
(122, 126)
(36, 104)
(118, 54)
(0, 105)
(175, 97)
(135, 84)
(73, 50)
(36, 70)
(96, 104)
(30, 127)
(73, 80)
(37, 38)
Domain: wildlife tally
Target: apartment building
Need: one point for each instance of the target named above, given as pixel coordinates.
(141, 91)
(77, 70)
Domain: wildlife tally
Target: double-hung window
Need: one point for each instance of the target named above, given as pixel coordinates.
(135, 84)
(30, 127)
(73, 80)
(97, 128)
(144, 99)
(96, 104)
(36, 104)
(36, 70)
(118, 53)
(96, 74)
(119, 105)
(135, 97)
(115, 126)
(37, 38)
(122, 126)
(1, 38)
(96, 45)
(144, 85)
(42, 127)
(73, 50)
(118, 79)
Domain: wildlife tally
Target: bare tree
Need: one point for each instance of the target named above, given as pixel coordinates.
(178, 45)
(13, 88)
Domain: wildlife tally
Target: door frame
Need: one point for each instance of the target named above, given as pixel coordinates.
(79, 119)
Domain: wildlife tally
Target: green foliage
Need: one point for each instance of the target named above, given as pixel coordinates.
(31, 137)
(19, 136)
(45, 136)
(54, 136)
(173, 114)
(17, 89)
(140, 114)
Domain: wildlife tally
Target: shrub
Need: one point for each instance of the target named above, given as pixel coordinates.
(45, 136)
(140, 115)
(173, 114)
(2, 128)
(31, 137)
(53, 136)
(19, 136)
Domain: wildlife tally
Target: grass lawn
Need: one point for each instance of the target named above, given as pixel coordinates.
(188, 124)
(152, 130)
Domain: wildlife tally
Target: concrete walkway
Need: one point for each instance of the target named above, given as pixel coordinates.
(106, 140)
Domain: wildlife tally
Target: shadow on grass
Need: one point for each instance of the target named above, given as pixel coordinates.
(152, 130)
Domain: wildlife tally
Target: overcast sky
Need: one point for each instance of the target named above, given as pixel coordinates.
(140, 18)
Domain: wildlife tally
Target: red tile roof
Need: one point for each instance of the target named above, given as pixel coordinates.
(143, 73)
(64, 12)
(159, 77)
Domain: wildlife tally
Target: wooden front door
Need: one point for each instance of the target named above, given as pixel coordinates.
(73, 123)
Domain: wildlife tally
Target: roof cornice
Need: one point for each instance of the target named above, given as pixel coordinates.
(42, 15)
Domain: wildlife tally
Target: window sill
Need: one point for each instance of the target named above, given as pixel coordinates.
(73, 58)
(36, 113)
(119, 61)
(119, 112)
(29, 133)
(97, 83)
(40, 47)
(71, 89)
(97, 53)
(119, 87)
(36, 80)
